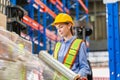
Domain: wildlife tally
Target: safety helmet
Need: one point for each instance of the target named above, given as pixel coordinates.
(63, 17)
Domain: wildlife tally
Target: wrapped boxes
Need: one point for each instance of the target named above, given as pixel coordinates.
(17, 39)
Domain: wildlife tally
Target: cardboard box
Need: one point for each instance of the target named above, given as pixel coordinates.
(3, 20)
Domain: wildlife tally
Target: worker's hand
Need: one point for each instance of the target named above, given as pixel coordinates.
(82, 78)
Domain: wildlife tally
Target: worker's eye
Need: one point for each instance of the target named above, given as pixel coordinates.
(61, 26)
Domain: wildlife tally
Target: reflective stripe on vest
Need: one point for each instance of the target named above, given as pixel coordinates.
(57, 47)
(71, 54)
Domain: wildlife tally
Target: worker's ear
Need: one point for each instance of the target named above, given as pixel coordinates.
(70, 25)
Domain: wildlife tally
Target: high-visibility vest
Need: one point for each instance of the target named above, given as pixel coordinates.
(71, 53)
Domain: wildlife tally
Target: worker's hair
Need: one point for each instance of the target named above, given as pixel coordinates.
(71, 30)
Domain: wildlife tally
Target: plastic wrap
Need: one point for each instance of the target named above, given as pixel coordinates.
(16, 39)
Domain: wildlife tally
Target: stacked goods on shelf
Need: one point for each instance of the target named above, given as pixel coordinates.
(10, 35)
(10, 70)
(17, 39)
(24, 43)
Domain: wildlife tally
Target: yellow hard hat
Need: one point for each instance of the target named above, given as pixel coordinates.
(61, 18)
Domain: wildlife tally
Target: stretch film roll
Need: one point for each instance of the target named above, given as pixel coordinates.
(46, 57)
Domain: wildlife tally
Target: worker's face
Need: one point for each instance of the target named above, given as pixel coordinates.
(63, 29)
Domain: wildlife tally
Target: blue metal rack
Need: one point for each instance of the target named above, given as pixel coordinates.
(38, 32)
(31, 14)
(44, 24)
(112, 10)
(77, 10)
(13, 2)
